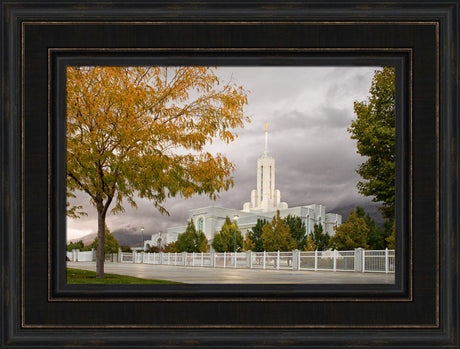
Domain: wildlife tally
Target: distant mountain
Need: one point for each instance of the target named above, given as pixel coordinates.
(87, 239)
(372, 209)
(125, 237)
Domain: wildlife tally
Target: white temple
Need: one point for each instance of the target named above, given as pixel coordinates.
(265, 201)
(265, 198)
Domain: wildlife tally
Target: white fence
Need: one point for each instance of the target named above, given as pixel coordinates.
(89, 256)
(81, 256)
(358, 260)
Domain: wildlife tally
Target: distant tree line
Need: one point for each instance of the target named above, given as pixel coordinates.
(287, 234)
(279, 234)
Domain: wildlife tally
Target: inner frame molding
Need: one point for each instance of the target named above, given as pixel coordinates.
(401, 58)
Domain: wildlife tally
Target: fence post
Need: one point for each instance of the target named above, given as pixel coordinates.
(234, 257)
(295, 259)
(134, 256)
(264, 259)
(358, 259)
(316, 260)
(184, 258)
(278, 260)
(201, 258)
(213, 259)
(334, 255)
(364, 260)
(386, 261)
(249, 259)
(225, 259)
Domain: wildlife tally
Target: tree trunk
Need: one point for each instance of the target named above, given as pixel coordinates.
(100, 255)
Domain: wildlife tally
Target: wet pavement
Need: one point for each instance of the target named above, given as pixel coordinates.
(203, 275)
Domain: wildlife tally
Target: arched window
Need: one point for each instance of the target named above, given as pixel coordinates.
(200, 224)
(320, 220)
(308, 224)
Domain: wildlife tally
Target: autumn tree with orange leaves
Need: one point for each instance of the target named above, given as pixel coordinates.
(140, 132)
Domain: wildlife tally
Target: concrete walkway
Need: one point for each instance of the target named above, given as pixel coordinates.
(197, 275)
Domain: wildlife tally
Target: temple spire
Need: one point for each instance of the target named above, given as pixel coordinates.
(266, 139)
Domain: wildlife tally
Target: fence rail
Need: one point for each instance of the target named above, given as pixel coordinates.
(358, 260)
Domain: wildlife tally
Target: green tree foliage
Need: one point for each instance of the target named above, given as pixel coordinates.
(224, 241)
(351, 234)
(374, 131)
(141, 132)
(75, 246)
(255, 235)
(376, 237)
(320, 239)
(171, 247)
(191, 240)
(125, 248)
(111, 244)
(276, 235)
(297, 230)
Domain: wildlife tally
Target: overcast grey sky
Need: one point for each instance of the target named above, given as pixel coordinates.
(308, 110)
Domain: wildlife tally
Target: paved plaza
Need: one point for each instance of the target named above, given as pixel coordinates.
(198, 275)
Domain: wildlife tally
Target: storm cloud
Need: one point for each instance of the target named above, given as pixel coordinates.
(308, 110)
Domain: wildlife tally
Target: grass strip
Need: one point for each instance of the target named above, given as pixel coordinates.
(79, 276)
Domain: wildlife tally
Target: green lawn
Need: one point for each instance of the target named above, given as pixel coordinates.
(78, 276)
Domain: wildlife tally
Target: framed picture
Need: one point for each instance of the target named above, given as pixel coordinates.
(46, 43)
(318, 177)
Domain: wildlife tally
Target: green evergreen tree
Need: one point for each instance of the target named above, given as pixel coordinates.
(276, 235)
(172, 248)
(111, 244)
(320, 239)
(75, 246)
(224, 241)
(297, 230)
(376, 237)
(190, 240)
(255, 234)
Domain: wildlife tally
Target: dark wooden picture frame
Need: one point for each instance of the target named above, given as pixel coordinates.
(40, 309)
